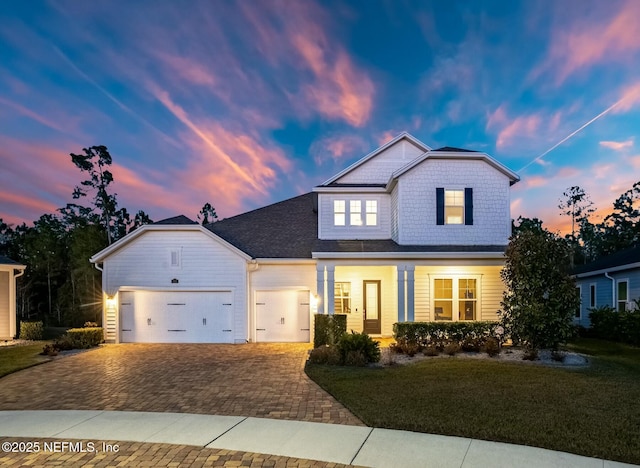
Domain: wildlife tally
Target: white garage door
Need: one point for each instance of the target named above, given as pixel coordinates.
(282, 316)
(176, 317)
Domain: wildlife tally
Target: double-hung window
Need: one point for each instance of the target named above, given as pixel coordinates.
(623, 295)
(339, 212)
(454, 206)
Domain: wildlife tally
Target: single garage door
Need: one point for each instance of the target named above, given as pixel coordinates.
(282, 316)
(176, 317)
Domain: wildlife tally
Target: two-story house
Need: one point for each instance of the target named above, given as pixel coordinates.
(406, 233)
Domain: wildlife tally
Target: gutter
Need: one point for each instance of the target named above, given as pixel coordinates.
(613, 289)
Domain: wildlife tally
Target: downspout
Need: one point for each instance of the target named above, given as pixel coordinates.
(19, 275)
(253, 265)
(613, 289)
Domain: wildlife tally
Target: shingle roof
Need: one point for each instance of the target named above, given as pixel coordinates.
(451, 149)
(287, 229)
(7, 261)
(624, 257)
(388, 245)
(181, 219)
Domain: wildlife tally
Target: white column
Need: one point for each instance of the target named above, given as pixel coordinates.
(320, 288)
(410, 293)
(401, 310)
(330, 290)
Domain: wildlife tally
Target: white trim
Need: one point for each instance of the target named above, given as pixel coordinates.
(334, 189)
(628, 266)
(285, 261)
(513, 177)
(407, 255)
(103, 254)
(403, 135)
(177, 289)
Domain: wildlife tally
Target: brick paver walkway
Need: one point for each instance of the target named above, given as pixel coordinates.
(260, 380)
(145, 455)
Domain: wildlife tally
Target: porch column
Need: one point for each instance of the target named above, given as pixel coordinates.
(320, 288)
(410, 293)
(401, 311)
(331, 291)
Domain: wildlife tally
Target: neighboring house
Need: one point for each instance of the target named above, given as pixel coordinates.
(407, 233)
(9, 271)
(613, 281)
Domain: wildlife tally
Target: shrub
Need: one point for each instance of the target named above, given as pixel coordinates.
(49, 350)
(452, 348)
(31, 331)
(82, 338)
(358, 342)
(470, 344)
(609, 324)
(439, 334)
(328, 329)
(325, 355)
(403, 346)
(492, 347)
(431, 351)
(63, 343)
(530, 354)
(540, 298)
(355, 358)
(90, 325)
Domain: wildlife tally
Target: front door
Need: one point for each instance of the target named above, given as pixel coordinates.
(371, 309)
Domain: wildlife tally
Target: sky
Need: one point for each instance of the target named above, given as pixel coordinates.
(246, 103)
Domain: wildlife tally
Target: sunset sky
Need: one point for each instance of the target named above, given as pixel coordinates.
(245, 103)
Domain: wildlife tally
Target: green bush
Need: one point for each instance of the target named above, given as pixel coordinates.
(31, 331)
(492, 347)
(439, 334)
(350, 344)
(325, 355)
(403, 346)
(430, 351)
(82, 338)
(452, 348)
(327, 329)
(609, 324)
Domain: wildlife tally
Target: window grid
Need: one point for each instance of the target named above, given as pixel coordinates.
(339, 212)
(454, 206)
(342, 298)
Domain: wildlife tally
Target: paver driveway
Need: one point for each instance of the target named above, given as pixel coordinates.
(261, 380)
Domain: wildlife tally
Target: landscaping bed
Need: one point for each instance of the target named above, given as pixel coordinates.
(591, 411)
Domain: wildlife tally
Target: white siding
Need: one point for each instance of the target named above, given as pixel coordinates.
(395, 213)
(491, 211)
(204, 263)
(5, 310)
(491, 288)
(388, 293)
(378, 169)
(327, 230)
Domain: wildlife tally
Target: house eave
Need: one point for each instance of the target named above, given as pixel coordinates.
(407, 255)
(602, 271)
(339, 189)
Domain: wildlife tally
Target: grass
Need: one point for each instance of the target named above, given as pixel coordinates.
(593, 411)
(15, 358)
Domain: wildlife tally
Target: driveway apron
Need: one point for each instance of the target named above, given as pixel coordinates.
(260, 380)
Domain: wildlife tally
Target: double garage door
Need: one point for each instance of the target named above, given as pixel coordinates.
(176, 317)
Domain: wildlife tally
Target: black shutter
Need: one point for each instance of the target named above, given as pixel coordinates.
(468, 206)
(439, 206)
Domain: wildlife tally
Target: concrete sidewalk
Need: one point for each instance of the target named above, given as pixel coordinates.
(334, 443)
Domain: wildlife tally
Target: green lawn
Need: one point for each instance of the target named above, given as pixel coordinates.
(14, 358)
(593, 412)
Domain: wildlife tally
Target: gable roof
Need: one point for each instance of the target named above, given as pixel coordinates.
(624, 259)
(287, 229)
(374, 153)
(180, 219)
(455, 153)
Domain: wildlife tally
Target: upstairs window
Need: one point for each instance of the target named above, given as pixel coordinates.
(355, 212)
(339, 212)
(372, 212)
(454, 206)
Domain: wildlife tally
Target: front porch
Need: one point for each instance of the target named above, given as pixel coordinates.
(375, 295)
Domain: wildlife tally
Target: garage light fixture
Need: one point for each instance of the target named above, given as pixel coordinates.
(111, 302)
